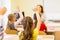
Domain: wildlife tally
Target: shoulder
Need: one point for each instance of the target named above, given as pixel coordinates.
(35, 34)
(21, 36)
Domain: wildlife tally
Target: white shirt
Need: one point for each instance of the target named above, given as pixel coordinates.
(1, 26)
(1, 20)
(19, 20)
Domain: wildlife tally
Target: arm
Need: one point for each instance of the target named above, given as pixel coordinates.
(39, 20)
(18, 22)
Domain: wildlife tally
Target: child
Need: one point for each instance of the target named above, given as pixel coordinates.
(27, 26)
(11, 27)
(2, 12)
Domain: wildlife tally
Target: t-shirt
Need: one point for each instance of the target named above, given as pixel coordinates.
(43, 27)
(12, 26)
(35, 20)
(1, 26)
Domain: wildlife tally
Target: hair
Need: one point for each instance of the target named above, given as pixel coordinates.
(10, 17)
(41, 8)
(18, 15)
(27, 23)
(23, 14)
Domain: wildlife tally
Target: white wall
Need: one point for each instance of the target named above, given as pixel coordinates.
(52, 9)
(26, 5)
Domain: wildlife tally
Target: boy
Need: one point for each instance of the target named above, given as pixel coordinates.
(2, 12)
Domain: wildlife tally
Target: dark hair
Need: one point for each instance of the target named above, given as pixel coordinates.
(18, 15)
(41, 8)
(23, 14)
(27, 23)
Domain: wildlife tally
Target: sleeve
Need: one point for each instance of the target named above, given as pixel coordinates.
(19, 20)
(21, 36)
(34, 16)
(20, 13)
(1, 21)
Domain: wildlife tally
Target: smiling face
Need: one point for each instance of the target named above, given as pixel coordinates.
(16, 14)
(38, 8)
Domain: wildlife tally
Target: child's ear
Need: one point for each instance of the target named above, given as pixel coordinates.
(3, 10)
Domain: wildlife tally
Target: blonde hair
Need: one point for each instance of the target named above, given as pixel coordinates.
(11, 16)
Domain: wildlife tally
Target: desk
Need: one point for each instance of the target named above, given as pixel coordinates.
(53, 26)
(45, 37)
(10, 37)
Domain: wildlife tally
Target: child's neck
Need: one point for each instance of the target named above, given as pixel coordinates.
(38, 12)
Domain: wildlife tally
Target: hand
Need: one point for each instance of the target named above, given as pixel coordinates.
(18, 8)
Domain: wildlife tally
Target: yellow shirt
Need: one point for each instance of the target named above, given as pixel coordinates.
(36, 32)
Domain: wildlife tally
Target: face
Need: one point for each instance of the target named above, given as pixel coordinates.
(38, 8)
(34, 9)
(16, 15)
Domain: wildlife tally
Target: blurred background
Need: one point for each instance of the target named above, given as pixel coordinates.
(51, 10)
(25, 5)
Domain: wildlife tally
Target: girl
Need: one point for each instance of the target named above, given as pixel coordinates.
(40, 16)
(27, 33)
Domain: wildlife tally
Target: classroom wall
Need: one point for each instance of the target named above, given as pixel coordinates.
(52, 9)
(25, 5)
